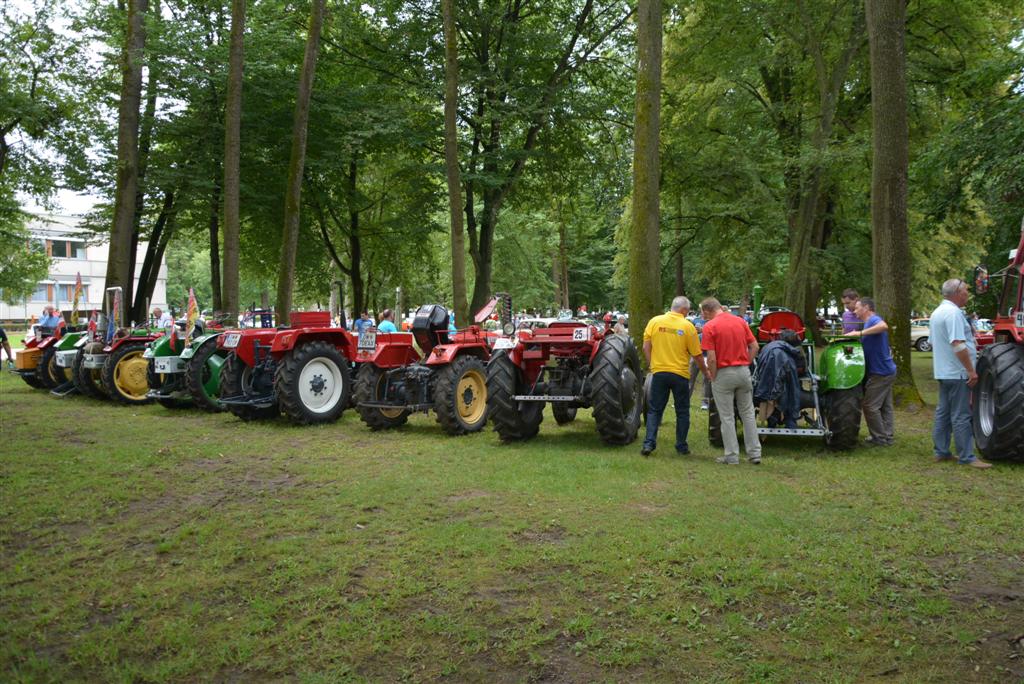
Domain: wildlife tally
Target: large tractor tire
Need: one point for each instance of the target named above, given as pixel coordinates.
(513, 420)
(156, 381)
(998, 402)
(841, 410)
(33, 380)
(460, 396)
(236, 380)
(369, 386)
(49, 373)
(313, 383)
(202, 376)
(89, 381)
(124, 374)
(618, 386)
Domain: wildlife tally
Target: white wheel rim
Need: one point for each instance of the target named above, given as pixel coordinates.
(320, 385)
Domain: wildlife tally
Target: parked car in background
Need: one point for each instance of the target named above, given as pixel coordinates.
(920, 334)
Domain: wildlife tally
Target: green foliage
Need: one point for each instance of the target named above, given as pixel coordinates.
(23, 262)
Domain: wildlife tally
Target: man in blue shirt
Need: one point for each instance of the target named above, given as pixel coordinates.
(954, 354)
(881, 373)
(362, 323)
(49, 317)
(387, 322)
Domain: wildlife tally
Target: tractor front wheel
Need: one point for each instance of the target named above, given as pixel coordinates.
(89, 381)
(202, 376)
(313, 383)
(998, 402)
(370, 387)
(124, 374)
(33, 380)
(460, 396)
(513, 420)
(841, 411)
(49, 374)
(156, 381)
(236, 380)
(618, 389)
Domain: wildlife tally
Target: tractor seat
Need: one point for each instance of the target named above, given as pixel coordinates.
(430, 326)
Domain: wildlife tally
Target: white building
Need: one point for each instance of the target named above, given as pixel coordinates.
(72, 255)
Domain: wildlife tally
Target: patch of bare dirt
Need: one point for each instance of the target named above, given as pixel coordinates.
(467, 495)
(555, 534)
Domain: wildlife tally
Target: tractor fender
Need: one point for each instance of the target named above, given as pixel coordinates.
(161, 346)
(288, 339)
(48, 342)
(69, 340)
(198, 342)
(842, 365)
(444, 354)
(392, 350)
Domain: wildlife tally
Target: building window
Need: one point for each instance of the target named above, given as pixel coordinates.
(67, 249)
(67, 293)
(42, 293)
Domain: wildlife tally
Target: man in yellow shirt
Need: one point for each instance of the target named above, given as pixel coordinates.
(670, 341)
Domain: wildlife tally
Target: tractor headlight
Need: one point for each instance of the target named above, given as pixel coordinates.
(231, 340)
(508, 329)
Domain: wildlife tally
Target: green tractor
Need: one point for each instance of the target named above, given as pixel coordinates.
(830, 388)
(59, 363)
(181, 374)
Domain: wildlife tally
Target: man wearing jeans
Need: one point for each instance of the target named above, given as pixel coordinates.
(670, 342)
(881, 374)
(730, 346)
(954, 354)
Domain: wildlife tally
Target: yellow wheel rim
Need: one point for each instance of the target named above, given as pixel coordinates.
(56, 371)
(387, 413)
(471, 396)
(130, 376)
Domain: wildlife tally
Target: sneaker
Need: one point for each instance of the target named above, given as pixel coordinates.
(755, 460)
(734, 460)
(646, 450)
(945, 459)
(704, 406)
(683, 452)
(978, 463)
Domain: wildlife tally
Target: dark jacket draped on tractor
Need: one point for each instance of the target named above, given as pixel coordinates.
(777, 377)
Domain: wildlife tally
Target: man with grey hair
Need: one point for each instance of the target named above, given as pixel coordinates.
(954, 354)
(670, 341)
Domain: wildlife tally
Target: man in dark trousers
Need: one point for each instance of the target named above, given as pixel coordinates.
(670, 342)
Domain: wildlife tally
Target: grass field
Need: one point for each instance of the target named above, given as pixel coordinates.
(155, 545)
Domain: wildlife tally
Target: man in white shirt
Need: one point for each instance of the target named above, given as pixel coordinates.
(163, 320)
(954, 355)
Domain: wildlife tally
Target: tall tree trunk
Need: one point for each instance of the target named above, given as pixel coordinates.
(355, 247)
(563, 259)
(296, 165)
(158, 237)
(644, 236)
(142, 296)
(451, 161)
(215, 246)
(891, 255)
(678, 258)
(119, 258)
(232, 158)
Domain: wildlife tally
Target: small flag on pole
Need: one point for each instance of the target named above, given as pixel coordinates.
(92, 325)
(75, 298)
(191, 315)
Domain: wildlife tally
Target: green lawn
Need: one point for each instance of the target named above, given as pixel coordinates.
(156, 545)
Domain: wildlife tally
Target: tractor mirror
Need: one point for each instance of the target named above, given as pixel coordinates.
(980, 280)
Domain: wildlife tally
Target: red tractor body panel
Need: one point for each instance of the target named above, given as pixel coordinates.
(242, 345)
(289, 338)
(473, 340)
(392, 350)
(1009, 324)
(562, 339)
(130, 338)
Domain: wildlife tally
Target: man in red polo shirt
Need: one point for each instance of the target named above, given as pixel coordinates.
(730, 346)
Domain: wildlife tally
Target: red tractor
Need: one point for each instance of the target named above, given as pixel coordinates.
(302, 370)
(570, 365)
(450, 378)
(998, 397)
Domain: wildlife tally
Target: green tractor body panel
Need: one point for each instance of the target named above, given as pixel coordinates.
(162, 346)
(67, 342)
(212, 384)
(842, 365)
(198, 342)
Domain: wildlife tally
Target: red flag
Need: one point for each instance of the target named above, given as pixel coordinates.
(92, 324)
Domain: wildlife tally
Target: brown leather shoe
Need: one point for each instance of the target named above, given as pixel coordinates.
(945, 459)
(978, 463)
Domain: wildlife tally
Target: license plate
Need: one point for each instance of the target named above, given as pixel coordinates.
(504, 343)
(231, 340)
(1020, 319)
(581, 334)
(167, 364)
(367, 340)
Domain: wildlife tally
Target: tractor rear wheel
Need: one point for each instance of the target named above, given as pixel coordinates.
(369, 386)
(89, 381)
(513, 420)
(998, 402)
(460, 396)
(841, 410)
(202, 376)
(156, 381)
(51, 375)
(236, 380)
(124, 374)
(618, 388)
(313, 383)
